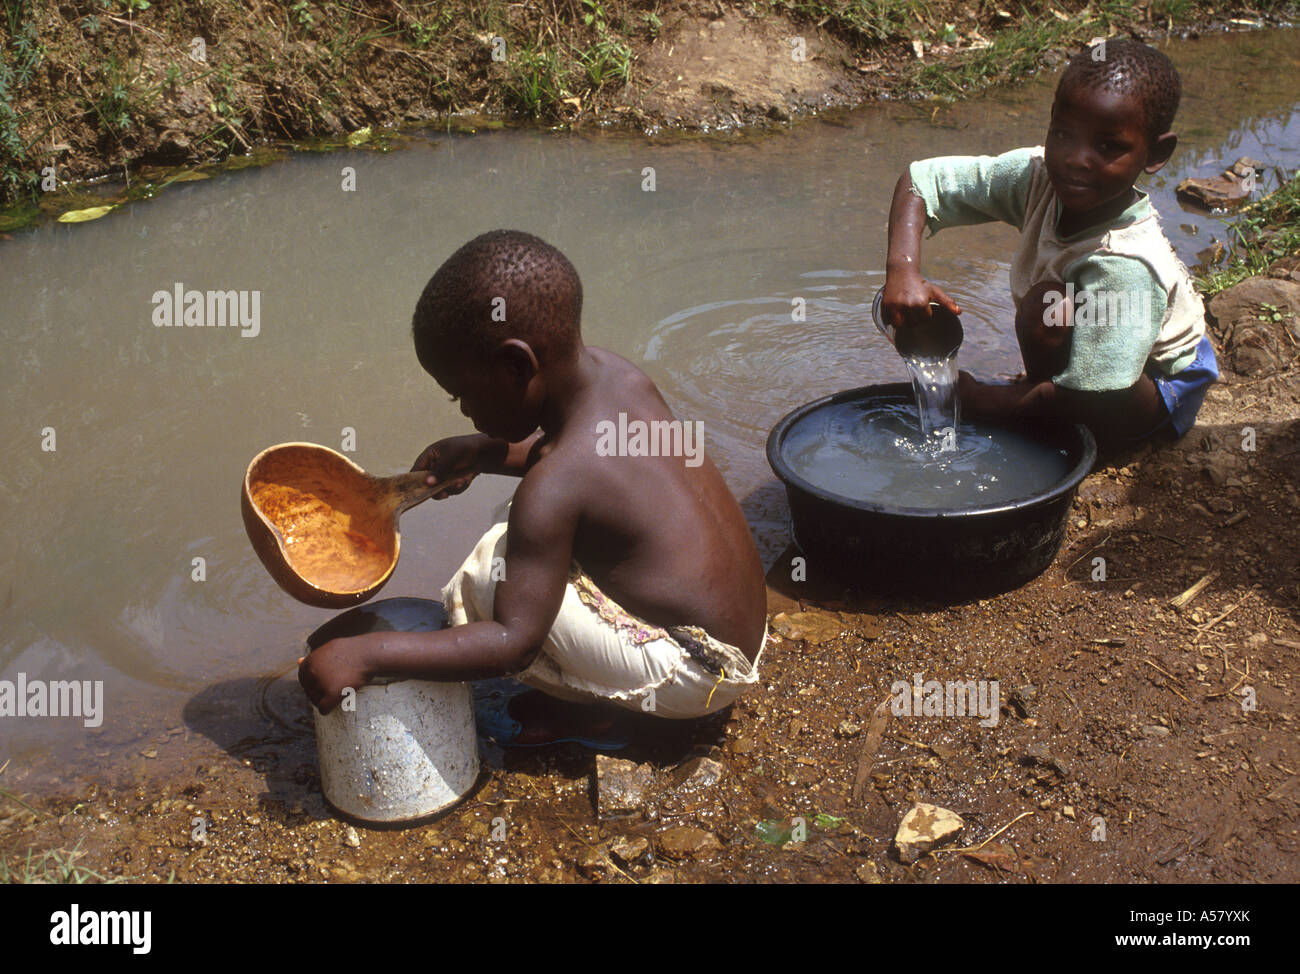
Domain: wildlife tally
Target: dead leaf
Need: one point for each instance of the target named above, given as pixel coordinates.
(870, 745)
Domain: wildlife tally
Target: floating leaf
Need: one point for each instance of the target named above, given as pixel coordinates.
(83, 216)
(359, 136)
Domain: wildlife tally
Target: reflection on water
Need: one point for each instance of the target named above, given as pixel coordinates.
(742, 284)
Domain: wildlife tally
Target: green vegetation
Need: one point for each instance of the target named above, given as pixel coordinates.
(52, 866)
(20, 56)
(92, 86)
(1266, 230)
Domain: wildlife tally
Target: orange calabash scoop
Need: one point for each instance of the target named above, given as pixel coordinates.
(324, 528)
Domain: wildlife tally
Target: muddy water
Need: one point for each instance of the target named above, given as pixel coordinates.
(153, 426)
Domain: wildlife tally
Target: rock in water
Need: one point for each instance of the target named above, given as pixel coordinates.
(620, 786)
(923, 828)
(1224, 192)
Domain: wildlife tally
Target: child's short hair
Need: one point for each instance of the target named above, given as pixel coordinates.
(1130, 68)
(503, 284)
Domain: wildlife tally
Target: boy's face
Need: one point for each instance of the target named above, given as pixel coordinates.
(499, 393)
(1096, 148)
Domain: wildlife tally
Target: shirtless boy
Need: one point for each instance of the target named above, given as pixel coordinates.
(629, 580)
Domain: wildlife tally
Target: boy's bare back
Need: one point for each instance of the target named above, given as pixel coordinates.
(664, 539)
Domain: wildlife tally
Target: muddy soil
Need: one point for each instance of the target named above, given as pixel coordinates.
(1136, 741)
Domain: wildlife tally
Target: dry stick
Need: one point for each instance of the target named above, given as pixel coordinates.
(1166, 673)
(1086, 554)
(875, 731)
(1240, 680)
(1202, 630)
(977, 848)
(1180, 601)
(1157, 534)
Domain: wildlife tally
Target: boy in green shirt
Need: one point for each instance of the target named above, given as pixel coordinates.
(1111, 331)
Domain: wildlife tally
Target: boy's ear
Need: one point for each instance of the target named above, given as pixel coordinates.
(518, 359)
(1161, 149)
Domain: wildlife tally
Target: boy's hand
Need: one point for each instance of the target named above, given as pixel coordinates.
(326, 672)
(455, 459)
(908, 296)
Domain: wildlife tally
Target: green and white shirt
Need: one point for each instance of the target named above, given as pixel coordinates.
(1134, 300)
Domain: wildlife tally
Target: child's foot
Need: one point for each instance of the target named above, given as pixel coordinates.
(546, 720)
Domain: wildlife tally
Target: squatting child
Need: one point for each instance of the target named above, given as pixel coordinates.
(630, 580)
(1111, 331)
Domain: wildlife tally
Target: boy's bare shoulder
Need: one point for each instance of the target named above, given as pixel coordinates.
(619, 367)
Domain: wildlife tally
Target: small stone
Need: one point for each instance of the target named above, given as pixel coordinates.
(1041, 754)
(620, 786)
(868, 873)
(1258, 639)
(150, 753)
(1022, 698)
(592, 863)
(687, 842)
(350, 838)
(1155, 731)
(811, 626)
(847, 730)
(628, 849)
(923, 828)
(696, 774)
(1068, 812)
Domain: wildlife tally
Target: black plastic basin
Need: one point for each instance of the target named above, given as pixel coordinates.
(929, 552)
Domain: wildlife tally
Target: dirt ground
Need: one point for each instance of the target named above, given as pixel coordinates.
(1136, 741)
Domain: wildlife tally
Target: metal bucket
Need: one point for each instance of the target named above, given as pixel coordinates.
(409, 748)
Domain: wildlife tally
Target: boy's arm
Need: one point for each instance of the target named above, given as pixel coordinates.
(459, 459)
(539, 547)
(906, 291)
(1112, 413)
(941, 192)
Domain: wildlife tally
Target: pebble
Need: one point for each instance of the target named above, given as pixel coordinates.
(847, 729)
(923, 828)
(696, 774)
(350, 838)
(1155, 730)
(868, 873)
(687, 842)
(620, 786)
(628, 849)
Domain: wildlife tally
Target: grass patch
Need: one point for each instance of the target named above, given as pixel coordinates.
(52, 866)
(1266, 230)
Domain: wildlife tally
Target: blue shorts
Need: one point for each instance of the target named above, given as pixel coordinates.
(1183, 392)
